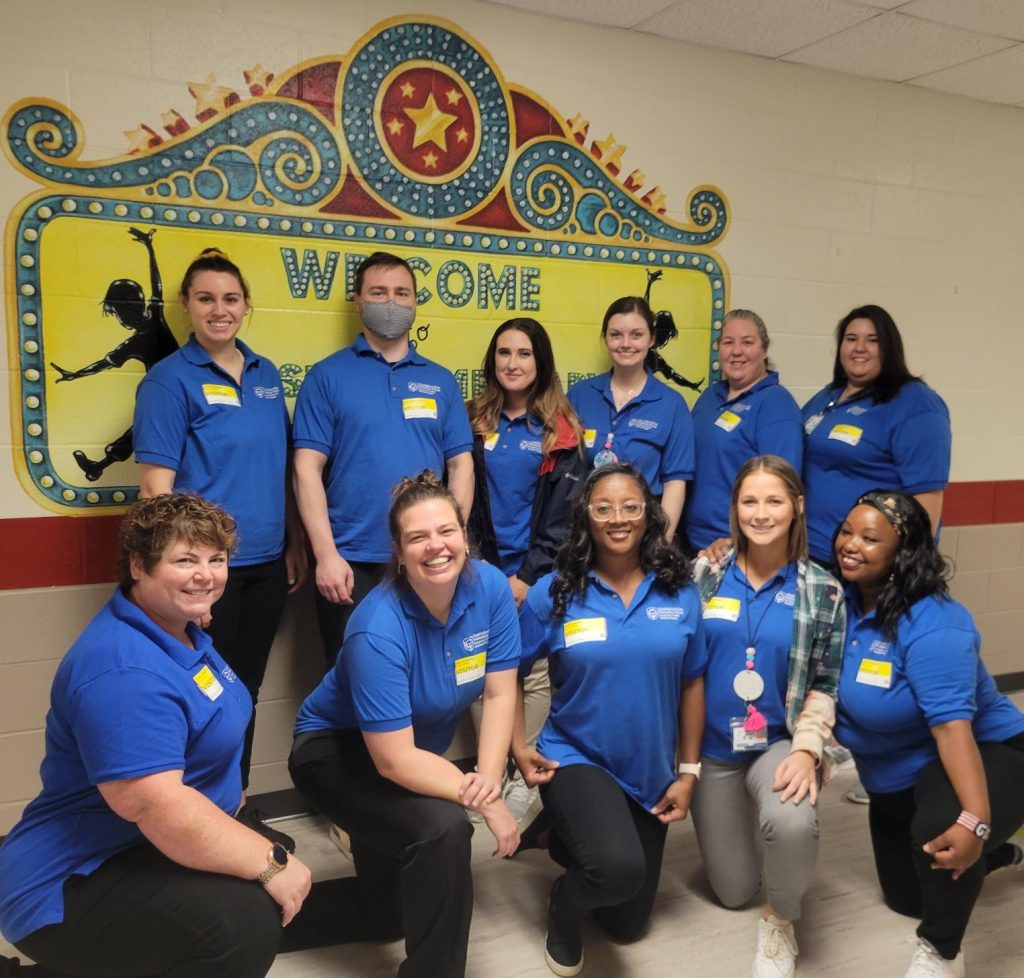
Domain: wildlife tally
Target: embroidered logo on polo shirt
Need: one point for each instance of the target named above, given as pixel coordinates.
(208, 683)
(642, 423)
(221, 394)
(419, 388)
(666, 614)
(880, 647)
(229, 674)
(476, 641)
(788, 598)
(742, 406)
(419, 407)
(856, 409)
(268, 393)
(530, 446)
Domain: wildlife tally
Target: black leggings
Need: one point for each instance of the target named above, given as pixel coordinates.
(610, 847)
(903, 821)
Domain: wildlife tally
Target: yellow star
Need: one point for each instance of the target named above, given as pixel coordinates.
(611, 150)
(656, 199)
(454, 96)
(407, 90)
(431, 124)
(209, 96)
(395, 126)
(637, 178)
(578, 126)
(430, 160)
(461, 134)
(138, 139)
(258, 76)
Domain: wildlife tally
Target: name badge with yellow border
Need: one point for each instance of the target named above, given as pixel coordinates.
(874, 672)
(470, 668)
(846, 433)
(727, 420)
(589, 437)
(584, 630)
(727, 609)
(208, 683)
(419, 407)
(490, 441)
(221, 394)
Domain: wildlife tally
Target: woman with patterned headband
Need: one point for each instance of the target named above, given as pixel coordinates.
(938, 748)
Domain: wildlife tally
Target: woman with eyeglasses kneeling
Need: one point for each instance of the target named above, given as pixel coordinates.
(619, 621)
(938, 748)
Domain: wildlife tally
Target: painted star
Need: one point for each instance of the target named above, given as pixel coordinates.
(258, 79)
(138, 139)
(611, 150)
(395, 127)
(461, 135)
(430, 160)
(431, 124)
(454, 96)
(210, 97)
(407, 90)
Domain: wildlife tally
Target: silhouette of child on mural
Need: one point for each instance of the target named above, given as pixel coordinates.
(150, 342)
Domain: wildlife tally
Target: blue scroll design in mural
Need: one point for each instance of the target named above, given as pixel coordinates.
(262, 152)
(558, 186)
(368, 70)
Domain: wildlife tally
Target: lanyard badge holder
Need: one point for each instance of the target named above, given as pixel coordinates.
(750, 731)
(606, 456)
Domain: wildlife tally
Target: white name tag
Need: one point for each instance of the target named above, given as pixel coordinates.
(589, 437)
(727, 421)
(727, 609)
(419, 407)
(489, 440)
(584, 630)
(470, 668)
(208, 683)
(847, 433)
(221, 394)
(875, 672)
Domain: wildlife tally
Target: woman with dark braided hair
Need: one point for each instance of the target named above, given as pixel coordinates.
(938, 748)
(620, 623)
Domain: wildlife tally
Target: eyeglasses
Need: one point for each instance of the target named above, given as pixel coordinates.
(603, 512)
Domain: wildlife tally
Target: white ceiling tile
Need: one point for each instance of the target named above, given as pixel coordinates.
(896, 48)
(998, 77)
(607, 13)
(769, 28)
(1001, 17)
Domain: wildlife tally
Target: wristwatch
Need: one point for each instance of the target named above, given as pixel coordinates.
(277, 859)
(974, 825)
(693, 769)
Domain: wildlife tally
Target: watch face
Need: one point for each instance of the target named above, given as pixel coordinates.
(280, 854)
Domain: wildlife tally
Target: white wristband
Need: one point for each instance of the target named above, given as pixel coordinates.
(693, 769)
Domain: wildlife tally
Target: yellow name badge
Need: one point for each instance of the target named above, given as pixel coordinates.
(846, 433)
(220, 394)
(208, 683)
(873, 672)
(419, 407)
(728, 609)
(589, 437)
(727, 421)
(584, 630)
(470, 668)
(490, 441)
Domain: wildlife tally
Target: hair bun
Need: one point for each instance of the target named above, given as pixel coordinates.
(212, 253)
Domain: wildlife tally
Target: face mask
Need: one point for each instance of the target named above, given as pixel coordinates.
(387, 320)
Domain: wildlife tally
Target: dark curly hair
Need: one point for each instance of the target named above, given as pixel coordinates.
(575, 558)
(918, 569)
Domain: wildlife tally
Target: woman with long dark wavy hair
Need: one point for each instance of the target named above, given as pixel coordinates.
(938, 748)
(619, 622)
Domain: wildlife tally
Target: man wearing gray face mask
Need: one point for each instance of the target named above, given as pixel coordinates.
(365, 417)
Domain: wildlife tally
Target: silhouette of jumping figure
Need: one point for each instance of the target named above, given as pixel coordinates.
(664, 330)
(150, 342)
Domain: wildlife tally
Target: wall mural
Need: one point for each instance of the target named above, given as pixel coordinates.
(412, 142)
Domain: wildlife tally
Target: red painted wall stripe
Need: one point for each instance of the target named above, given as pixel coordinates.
(64, 550)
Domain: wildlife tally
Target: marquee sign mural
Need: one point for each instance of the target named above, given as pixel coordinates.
(412, 142)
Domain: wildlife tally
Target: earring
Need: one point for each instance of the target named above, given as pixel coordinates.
(401, 568)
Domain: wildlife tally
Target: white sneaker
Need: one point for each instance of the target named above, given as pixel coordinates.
(776, 949)
(928, 963)
(520, 799)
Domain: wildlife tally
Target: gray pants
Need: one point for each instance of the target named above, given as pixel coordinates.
(741, 826)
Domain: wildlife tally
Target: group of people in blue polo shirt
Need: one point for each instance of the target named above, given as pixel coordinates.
(630, 683)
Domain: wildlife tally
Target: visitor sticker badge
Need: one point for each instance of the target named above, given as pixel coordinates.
(727, 421)
(846, 433)
(875, 672)
(727, 609)
(208, 683)
(221, 394)
(470, 668)
(589, 437)
(584, 630)
(419, 407)
(490, 441)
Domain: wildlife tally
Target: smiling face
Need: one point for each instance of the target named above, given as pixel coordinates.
(866, 548)
(431, 546)
(742, 354)
(216, 306)
(628, 339)
(182, 585)
(860, 354)
(765, 511)
(618, 536)
(514, 363)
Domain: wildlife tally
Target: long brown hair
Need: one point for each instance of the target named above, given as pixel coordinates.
(796, 548)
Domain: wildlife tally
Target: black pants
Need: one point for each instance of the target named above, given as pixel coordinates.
(903, 821)
(244, 624)
(610, 847)
(411, 854)
(142, 914)
(332, 618)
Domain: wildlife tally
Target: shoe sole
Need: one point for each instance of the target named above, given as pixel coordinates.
(564, 970)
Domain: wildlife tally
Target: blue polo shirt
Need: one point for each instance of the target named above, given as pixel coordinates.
(892, 691)
(764, 420)
(225, 441)
(652, 432)
(512, 458)
(860, 444)
(376, 422)
(736, 618)
(401, 667)
(128, 700)
(617, 675)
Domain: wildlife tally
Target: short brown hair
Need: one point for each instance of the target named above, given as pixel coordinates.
(406, 494)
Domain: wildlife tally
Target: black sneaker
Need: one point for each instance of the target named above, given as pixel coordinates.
(563, 946)
(253, 818)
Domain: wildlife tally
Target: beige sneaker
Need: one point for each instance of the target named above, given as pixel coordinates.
(928, 963)
(776, 949)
